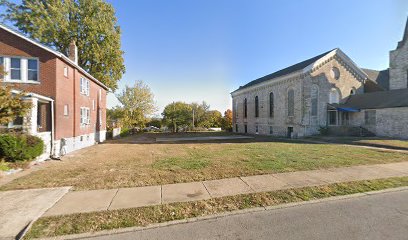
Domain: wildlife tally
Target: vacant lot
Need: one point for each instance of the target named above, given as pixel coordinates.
(139, 161)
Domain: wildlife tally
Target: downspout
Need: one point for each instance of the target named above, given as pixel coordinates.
(52, 131)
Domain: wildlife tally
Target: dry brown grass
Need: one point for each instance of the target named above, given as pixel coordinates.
(138, 161)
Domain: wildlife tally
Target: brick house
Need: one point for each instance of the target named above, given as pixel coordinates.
(69, 105)
(327, 91)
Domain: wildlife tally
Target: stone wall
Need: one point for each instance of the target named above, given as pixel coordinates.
(392, 122)
(399, 68)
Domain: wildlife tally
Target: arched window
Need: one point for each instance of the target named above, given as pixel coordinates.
(291, 103)
(245, 108)
(334, 96)
(256, 106)
(271, 106)
(314, 96)
(353, 91)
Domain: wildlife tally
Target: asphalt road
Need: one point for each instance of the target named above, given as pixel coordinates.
(381, 216)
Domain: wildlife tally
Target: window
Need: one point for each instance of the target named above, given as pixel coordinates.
(270, 130)
(93, 104)
(236, 109)
(15, 69)
(256, 129)
(84, 86)
(256, 106)
(245, 108)
(85, 116)
(315, 97)
(291, 103)
(246, 128)
(66, 110)
(332, 117)
(353, 91)
(236, 127)
(32, 70)
(66, 71)
(100, 95)
(370, 117)
(334, 96)
(271, 105)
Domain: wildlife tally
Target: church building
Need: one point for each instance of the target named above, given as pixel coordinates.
(328, 93)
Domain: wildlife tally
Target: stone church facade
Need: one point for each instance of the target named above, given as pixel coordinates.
(328, 92)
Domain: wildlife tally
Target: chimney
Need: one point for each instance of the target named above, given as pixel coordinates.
(73, 52)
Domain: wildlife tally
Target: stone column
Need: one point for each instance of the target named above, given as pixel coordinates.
(30, 121)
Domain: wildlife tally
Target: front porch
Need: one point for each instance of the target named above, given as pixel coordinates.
(38, 122)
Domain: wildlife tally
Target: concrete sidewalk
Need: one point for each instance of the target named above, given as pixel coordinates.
(20, 208)
(97, 200)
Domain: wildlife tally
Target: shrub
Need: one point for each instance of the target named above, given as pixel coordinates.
(125, 132)
(324, 131)
(20, 147)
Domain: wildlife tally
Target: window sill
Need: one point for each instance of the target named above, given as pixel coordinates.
(22, 82)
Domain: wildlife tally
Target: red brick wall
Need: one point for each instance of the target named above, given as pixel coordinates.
(11, 45)
(53, 83)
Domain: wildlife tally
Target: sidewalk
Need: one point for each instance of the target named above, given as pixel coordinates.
(99, 200)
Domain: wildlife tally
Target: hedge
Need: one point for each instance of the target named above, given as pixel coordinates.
(20, 147)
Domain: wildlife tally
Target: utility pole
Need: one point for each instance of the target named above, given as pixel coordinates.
(193, 118)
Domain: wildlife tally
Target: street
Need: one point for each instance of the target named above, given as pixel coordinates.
(379, 216)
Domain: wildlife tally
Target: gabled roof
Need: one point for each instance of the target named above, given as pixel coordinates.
(54, 52)
(382, 78)
(376, 100)
(285, 71)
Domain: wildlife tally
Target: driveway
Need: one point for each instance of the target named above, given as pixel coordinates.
(20, 208)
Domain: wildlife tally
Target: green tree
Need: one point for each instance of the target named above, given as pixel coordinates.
(199, 112)
(177, 114)
(137, 104)
(211, 119)
(227, 121)
(11, 104)
(91, 24)
(114, 117)
(155, 122)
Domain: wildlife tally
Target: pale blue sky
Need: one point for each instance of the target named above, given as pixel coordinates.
(202, 50)
(195, 50)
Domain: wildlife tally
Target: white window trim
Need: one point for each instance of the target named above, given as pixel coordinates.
(85, 116)
(23, 69)
(66, 71)
(84, 86)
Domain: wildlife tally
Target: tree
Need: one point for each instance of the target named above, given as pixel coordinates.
(227, 121)
(211, 119)
(177, 114)
(138, 104)
(155, 122)
(11, 104)
(91, 24)
(199, 112)
(114, 117)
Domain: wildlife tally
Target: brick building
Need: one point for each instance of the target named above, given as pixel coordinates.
(331, 91)
(69, 105)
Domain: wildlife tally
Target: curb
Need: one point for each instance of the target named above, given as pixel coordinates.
(226, 214)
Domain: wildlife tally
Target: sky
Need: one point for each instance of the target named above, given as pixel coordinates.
(201, 50)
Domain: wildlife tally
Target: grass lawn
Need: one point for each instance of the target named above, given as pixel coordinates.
(104, 220)
(123, 163)
(369, 141)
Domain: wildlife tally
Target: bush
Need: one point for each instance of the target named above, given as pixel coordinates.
(324, 131)
(125, 132)
(20, 147)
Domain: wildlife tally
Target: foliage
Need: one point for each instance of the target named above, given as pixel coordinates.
(227, 121)
(11, 105)
(199, 112)
(20, 147)
(324, 131)
(114, 117)
(155, 122)
(177, 114)
(125, 132)
(211, 119)
(91, 24)
(137, 105)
